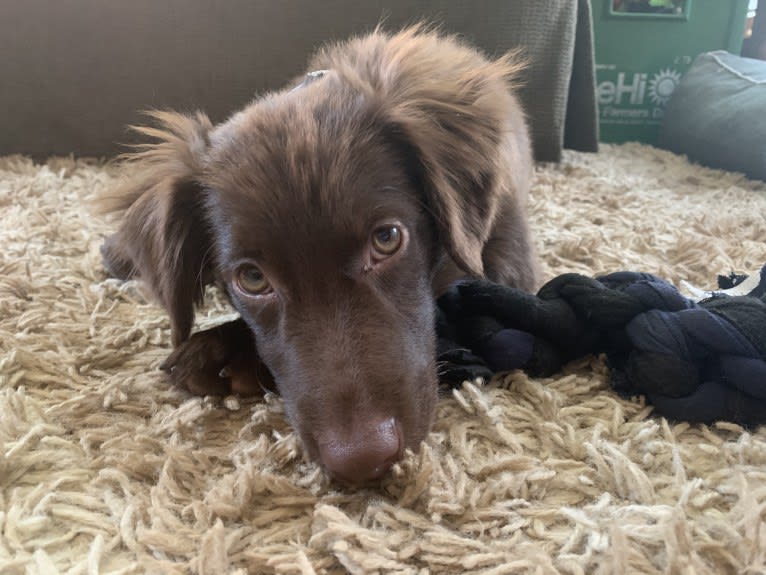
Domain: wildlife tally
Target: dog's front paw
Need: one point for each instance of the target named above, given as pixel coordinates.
(219, 361)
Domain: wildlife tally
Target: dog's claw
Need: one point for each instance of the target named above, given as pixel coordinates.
(168, 365)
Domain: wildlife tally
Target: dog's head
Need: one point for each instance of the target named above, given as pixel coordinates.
(326, 211)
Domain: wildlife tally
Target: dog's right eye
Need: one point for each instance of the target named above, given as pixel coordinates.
(250, 280)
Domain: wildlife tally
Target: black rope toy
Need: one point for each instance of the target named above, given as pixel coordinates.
(696, 361)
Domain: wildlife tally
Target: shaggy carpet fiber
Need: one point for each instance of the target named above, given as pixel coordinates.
(106, 469)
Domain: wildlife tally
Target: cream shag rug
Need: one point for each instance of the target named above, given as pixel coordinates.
(104, 469)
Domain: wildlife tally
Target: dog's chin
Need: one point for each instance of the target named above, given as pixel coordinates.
(423, 421)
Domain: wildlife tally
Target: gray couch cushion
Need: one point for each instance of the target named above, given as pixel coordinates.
(717, 115)
(73, 74)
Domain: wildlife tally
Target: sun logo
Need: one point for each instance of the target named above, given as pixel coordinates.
(662, 85)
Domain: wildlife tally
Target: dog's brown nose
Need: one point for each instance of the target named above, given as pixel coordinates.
(365, 454)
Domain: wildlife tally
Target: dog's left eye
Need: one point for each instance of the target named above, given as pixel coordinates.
(386, 240)
(250, 280)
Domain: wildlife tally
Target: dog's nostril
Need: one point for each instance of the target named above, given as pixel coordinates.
(364, 454)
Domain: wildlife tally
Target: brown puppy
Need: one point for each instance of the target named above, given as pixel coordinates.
(332, 212)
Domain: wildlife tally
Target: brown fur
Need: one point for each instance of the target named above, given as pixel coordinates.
(414, 128)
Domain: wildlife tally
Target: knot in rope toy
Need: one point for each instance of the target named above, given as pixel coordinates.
(696, 361)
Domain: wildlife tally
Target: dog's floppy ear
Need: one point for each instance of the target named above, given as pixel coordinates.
(455, 126)
(163, 237)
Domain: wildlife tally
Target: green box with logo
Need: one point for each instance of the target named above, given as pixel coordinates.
(644, 47)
